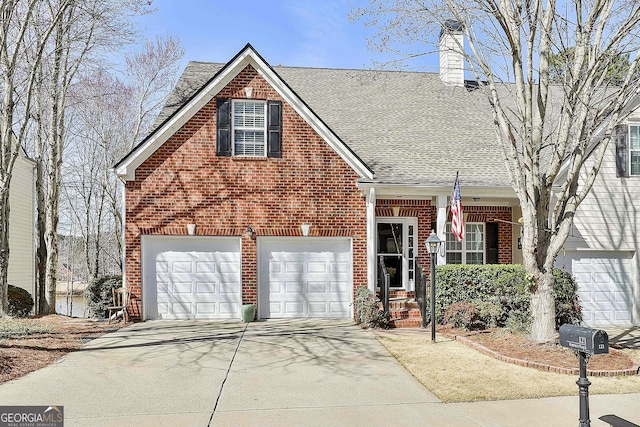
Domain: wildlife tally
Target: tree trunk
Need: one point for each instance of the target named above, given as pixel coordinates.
(4, 252)
(41, 245)
(543, 308)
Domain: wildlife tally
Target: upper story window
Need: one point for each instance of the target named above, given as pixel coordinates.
(634, 149)
(248, 127)
(471, 249)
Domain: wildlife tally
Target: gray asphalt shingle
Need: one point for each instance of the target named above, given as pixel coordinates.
(408, 127)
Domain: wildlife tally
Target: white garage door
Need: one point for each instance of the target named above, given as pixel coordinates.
(605, 286)
(305, 277)
(191, 277)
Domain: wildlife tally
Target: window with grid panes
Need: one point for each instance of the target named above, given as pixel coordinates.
(249, 128)
(634, 149)
(471, 249)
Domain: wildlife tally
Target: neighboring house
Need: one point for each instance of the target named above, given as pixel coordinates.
(22, 255)
(298, 181)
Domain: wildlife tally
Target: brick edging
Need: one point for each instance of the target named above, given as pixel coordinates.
(544, 367)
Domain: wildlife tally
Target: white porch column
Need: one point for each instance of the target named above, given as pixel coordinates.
(441, 203)
(371, 239)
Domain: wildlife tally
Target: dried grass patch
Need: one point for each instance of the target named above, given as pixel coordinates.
(455, 372)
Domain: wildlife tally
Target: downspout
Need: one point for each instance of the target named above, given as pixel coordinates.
(371, 239)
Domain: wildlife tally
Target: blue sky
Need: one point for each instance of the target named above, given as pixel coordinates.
(310, 33)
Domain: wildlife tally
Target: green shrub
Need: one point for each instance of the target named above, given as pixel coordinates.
(20, 302)
(501, 294)
(10, 327)
(568, 308)
(368, 312)
(99, 294)
(464, 315)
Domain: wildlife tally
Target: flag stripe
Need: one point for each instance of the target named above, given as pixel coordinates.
(457, 220)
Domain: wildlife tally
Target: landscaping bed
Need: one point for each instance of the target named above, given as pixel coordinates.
(27, 345)
(517, 348)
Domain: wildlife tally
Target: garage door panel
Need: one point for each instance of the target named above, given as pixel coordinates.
(205, 308)
(294, 267)
(338, 307)
(205, 288)
(584, 296)
(191, 277)
(293, 308)
(319, 267)
(623, 316)
(205, 267)
(604, 280)
(294, 288)
(317, 287)
(317, 307)
(229, 288)
(305, 277)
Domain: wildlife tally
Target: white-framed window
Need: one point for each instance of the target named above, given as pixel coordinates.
(634, 149)
(249, 128)
(471, 250)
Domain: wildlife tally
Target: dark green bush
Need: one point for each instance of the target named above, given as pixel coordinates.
(368, 311)
(501, 294)
(464, 315)
(20, 302)
(99, 294)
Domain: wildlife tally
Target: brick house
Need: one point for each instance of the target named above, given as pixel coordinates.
(289, 187)
(285, 187)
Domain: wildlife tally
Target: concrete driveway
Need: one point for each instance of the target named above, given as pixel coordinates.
(274, 373)
(298, 372)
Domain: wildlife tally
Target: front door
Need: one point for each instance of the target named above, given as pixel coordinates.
(396, 246)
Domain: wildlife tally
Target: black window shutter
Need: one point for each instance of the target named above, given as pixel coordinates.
(223, 127)
(274, 129)
(621, 137)
(492, 243)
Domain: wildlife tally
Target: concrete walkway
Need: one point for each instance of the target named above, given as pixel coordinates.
(275, 373)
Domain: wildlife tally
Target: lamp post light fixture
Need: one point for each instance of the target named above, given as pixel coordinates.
(433, 245)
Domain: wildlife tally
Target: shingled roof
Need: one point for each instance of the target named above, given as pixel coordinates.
(408, 127)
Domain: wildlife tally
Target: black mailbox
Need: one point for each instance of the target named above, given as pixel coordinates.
(583, 339)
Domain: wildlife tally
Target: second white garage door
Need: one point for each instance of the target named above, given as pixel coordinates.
(605, 285)
(305, 277)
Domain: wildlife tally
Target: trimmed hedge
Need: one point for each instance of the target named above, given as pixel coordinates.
(99, 294)
(500, 294)
(20, 302)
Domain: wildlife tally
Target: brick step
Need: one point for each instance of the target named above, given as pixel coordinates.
(397, 294)
(405, 313)
(405, 323)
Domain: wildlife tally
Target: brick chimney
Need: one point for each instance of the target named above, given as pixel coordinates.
(451, 57)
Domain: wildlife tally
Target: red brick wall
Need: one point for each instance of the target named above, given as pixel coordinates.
(505, 229)
(427, 214)
(185, 182)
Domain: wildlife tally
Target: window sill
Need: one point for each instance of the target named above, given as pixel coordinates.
(249, 159)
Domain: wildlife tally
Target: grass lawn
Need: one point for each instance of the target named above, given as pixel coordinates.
(455, 372)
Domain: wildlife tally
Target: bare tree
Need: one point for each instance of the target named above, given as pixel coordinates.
(23, 38)
(553, 137)
(111, 115)
(83, 34)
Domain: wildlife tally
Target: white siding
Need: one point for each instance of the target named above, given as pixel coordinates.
(609, 220)
(21, 225)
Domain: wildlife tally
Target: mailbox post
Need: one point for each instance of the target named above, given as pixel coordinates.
(584, 342)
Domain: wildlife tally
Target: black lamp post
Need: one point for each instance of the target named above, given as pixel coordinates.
(433, 244)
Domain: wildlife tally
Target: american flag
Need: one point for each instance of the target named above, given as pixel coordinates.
(457, 221)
